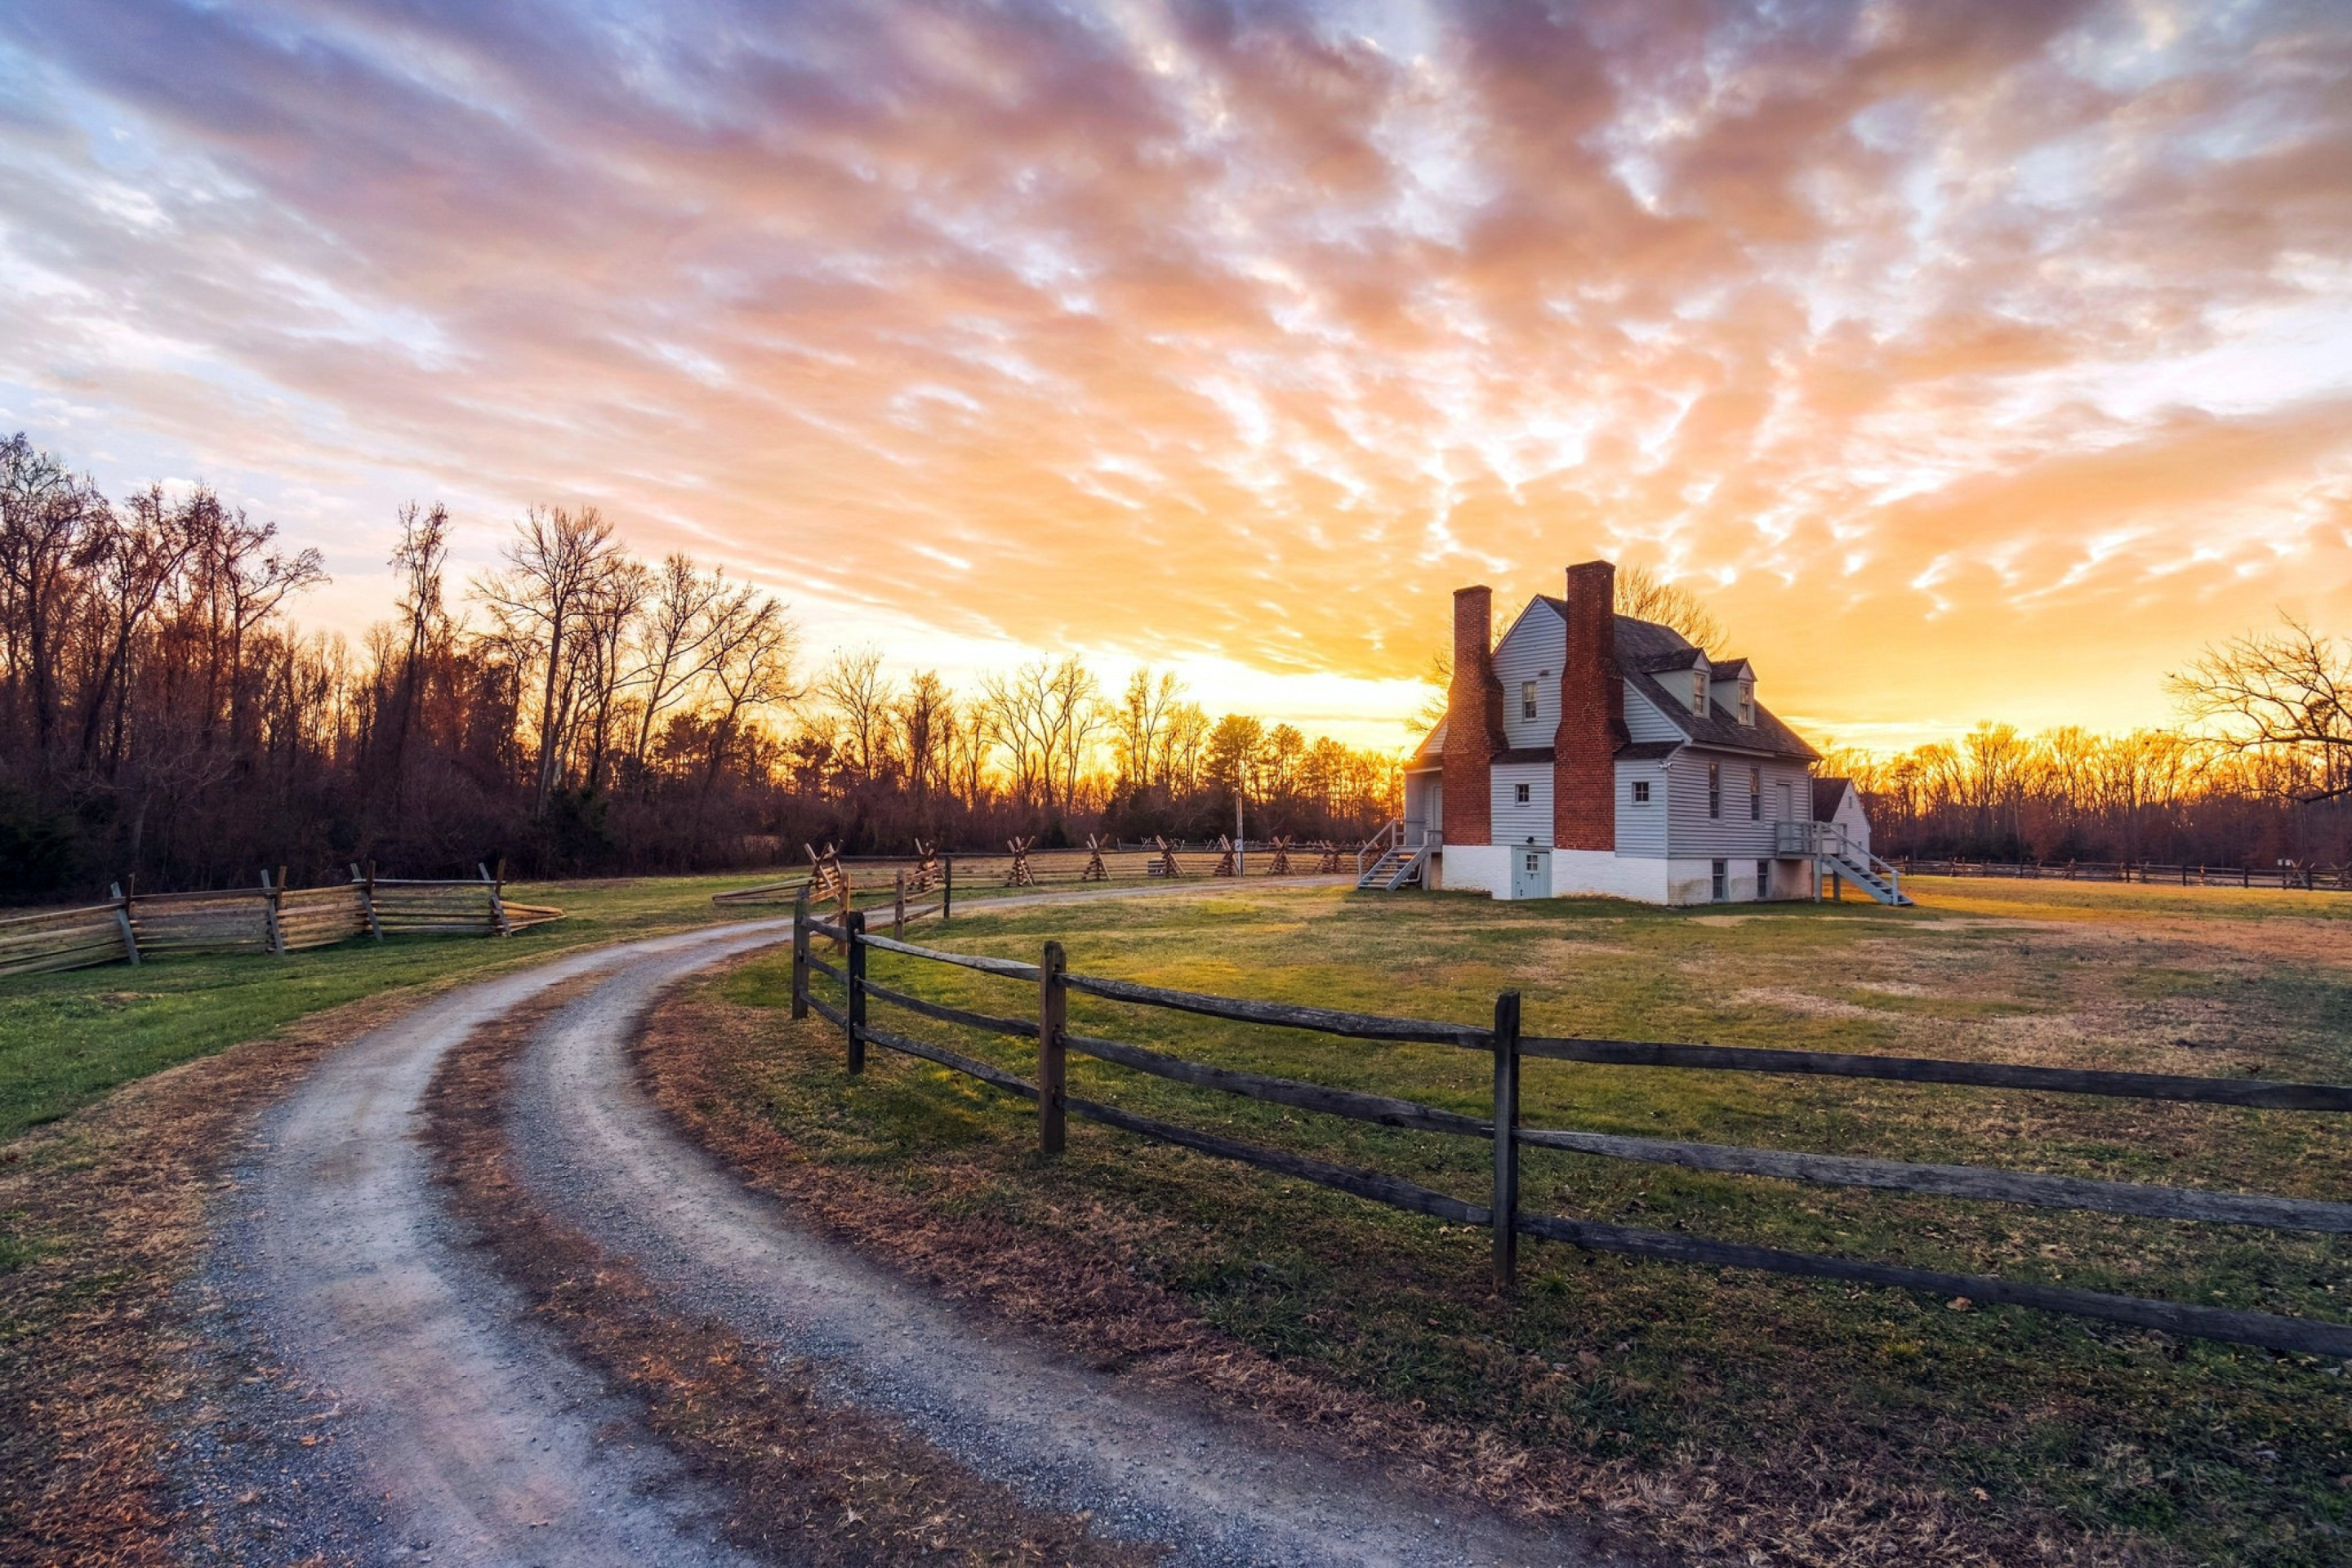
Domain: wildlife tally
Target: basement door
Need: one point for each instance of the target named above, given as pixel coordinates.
(1530, 873)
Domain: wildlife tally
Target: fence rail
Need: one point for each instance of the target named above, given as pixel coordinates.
(271, 918)
(873, 875)
(2303, 879)
(1502, 1213)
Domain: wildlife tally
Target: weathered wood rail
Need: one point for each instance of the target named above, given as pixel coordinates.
(1033, 867)
(2291, 879)
(1502, 1213)
(271, 918)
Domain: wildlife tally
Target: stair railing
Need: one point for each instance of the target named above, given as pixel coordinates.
(1390, 834)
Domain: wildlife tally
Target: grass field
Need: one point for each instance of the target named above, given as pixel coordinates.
(2029, 1424)
(66, 1039)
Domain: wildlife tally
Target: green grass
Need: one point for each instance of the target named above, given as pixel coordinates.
(2221, 1453)
(68, 1040)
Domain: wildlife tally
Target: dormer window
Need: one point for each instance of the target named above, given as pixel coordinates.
(1748, 703)
(1699, 692)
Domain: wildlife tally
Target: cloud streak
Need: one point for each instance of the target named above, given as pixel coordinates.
(1977, 358)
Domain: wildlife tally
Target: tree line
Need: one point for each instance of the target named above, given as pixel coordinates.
(576, 710)
(2261, 773)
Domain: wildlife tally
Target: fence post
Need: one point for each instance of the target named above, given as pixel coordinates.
(899, 906)
(1505, 1203)
(272, 892)
(498, 904)
(122, 920)
(374, 929)
(946, 889)
(854, 923)
(800, 952)
(1052, 1029)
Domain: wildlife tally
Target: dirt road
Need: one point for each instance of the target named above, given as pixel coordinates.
(456, 1431)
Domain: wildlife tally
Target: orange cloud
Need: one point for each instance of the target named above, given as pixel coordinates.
(1977, 359)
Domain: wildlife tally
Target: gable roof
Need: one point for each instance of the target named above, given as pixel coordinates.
(1827, 794)
(1646, 649)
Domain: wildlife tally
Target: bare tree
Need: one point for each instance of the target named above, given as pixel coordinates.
(751, 667)
(2286, 693)
(420, 559)
(1646, 596)
(927, 724)
(1142, 715)
(556, 564)
(682, 618)
(854, 685)
(1017, 714)
(50, 526)
(608, 623)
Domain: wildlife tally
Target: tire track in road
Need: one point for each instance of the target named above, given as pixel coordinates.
(603, 1157)
(461, 1432)
(465, 1434)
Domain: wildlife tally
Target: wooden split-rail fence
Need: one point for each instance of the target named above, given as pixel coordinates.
(2304, 879)
(1506, 1041)
(1023, 865)
(271, 918)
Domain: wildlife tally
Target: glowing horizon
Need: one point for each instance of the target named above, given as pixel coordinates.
(1971, 362)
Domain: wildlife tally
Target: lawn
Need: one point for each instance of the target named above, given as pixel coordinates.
(68, 1040)
(2025, 1423)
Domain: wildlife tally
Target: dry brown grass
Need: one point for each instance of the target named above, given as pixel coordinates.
(815, 1483)
(709, 1062)
(110, 1204)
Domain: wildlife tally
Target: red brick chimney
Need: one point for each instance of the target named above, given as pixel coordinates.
(1474, 721)
(1591, 716)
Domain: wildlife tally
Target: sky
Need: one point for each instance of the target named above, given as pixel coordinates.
(1973, 360)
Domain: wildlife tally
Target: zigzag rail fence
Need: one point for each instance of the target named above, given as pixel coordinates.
(1509, 1046)
(1123, 863)
(271, 918)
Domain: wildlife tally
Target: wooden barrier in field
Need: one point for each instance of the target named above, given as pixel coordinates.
(1100, 860)
(1502, 1215)
(2288, 878)
(271, 918)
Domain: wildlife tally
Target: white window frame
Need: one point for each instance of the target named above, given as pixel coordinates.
(1641, 791)
(1530, 700)
(1519, 794)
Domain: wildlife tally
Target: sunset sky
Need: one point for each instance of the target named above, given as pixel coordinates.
(1973, 360)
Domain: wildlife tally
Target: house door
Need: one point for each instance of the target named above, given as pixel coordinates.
(1788, 810)
(1530, 873)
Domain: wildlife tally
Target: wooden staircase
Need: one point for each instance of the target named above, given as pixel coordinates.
(1386, 862)
(1835, 855)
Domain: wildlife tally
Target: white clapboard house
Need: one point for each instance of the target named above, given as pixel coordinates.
(1590, 753)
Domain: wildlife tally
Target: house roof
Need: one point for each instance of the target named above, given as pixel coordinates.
(1645, 649)
(1827, 795)
(1731, 668)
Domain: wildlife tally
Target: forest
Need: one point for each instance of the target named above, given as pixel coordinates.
(577, 710)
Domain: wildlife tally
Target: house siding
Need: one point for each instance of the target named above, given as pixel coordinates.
(1516, 824)
(1642, 719)
(1693, 834)
(1532, 650)
(1642, 829)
